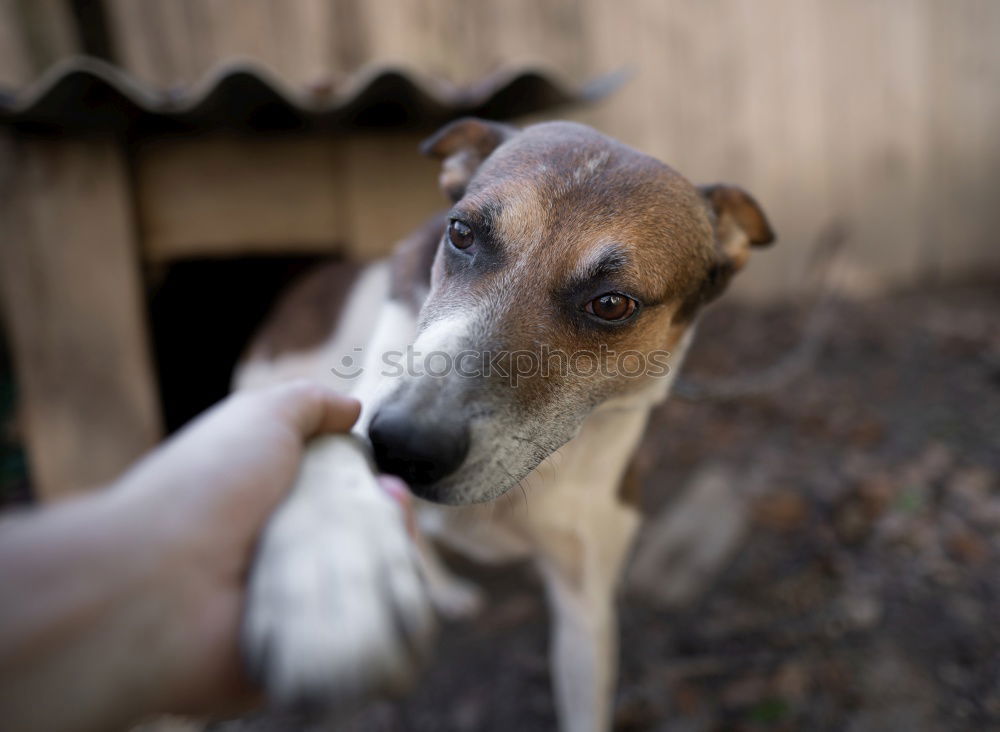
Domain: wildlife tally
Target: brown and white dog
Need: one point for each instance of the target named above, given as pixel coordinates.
(535, 317)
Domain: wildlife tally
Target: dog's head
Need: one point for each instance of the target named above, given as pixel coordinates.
(570, 267)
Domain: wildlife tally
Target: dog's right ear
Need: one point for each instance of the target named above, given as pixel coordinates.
(463, 145)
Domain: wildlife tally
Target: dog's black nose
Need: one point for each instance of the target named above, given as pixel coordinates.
(418, 452)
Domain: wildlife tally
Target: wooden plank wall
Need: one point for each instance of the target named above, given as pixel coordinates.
(72, 302)
(226, 196)
(879, 114)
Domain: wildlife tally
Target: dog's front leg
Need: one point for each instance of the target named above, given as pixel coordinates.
(336, 610)
(580, 568)
(584, 650)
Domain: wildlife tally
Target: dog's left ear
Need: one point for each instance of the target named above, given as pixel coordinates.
(739, 224)
(463, 145)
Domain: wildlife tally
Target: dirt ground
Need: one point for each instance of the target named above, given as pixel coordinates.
(863, 591)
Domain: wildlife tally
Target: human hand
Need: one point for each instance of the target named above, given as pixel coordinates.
(128, 602)
(206, 495)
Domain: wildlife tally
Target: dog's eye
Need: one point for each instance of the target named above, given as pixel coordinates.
(611, 306)
(460, 235)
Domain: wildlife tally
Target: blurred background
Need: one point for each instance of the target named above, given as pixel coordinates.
(167, 167)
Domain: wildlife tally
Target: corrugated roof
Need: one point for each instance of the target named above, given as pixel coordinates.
(83, 94)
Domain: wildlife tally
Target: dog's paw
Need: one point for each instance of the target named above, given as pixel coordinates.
(457, 599)
(337, 610)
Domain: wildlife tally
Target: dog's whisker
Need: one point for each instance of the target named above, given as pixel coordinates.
(527, 508)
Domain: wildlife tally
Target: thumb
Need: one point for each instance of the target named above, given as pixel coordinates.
(311, 408)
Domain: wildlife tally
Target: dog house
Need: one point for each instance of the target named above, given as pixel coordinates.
(110, 186)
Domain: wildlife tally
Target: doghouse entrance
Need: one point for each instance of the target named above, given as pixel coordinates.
(203, 313)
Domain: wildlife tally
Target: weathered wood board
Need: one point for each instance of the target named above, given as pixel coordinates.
(74, 311)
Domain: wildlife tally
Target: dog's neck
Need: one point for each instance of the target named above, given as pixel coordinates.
(599, 454)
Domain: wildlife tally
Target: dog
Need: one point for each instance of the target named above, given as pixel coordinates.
(559, 295)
